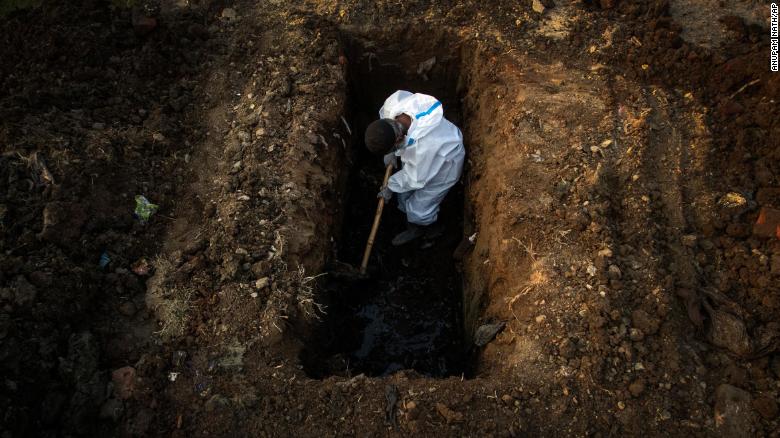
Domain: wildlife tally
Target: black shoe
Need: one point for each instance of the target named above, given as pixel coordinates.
(412, 232)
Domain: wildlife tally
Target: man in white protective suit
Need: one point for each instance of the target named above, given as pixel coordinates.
(412, 127)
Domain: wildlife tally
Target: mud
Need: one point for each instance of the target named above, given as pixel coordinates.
(618, 160)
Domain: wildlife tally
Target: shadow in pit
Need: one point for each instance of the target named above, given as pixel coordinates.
(407, 314)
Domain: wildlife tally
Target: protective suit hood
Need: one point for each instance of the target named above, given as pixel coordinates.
(432, 155)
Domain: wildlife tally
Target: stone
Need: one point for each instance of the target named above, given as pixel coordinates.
(262, 283)
(124, 382)
(729, 332)
(637, 388)
(448, 414)
(768, 223)
(733, 412)
(635, 334)
(606, 253)
(614, 272)
(538, 7)
(688, 240)
(486, 332)
(733, 204)
(229, 14)
(24, 292)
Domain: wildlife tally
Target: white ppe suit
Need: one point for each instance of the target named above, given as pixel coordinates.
(432, 155)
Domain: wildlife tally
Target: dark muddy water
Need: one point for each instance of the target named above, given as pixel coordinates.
(407, 315)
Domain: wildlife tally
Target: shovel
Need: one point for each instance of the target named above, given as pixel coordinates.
(377, 218)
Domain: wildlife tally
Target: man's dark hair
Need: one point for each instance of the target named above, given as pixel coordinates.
(380, 137)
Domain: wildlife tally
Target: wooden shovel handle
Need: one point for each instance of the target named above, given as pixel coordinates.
(380, 206)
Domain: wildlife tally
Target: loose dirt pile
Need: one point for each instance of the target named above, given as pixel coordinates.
(618, 161)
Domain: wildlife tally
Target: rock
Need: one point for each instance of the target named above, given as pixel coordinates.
(24, 292)
(606, 253)
(614, 272)
(768, 223)
(635, 334)
(112, 410)
(486, 332)
(229, 14)
(449, 415)
(637, 388)
(540, 319)
(538, 7)
(733, 204)
(729, 332)
(688, 240)
(733, 412)
(262, 283)
(124, 382)
(641, 320)
(766, 407)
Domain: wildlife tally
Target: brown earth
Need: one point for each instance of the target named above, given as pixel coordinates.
(618, 159)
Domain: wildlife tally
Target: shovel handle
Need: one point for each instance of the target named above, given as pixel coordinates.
(378, 217)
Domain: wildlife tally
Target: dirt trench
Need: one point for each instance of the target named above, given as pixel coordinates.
(407, 314)
(590, 208)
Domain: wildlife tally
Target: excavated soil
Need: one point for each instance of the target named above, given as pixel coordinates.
(619, 155)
